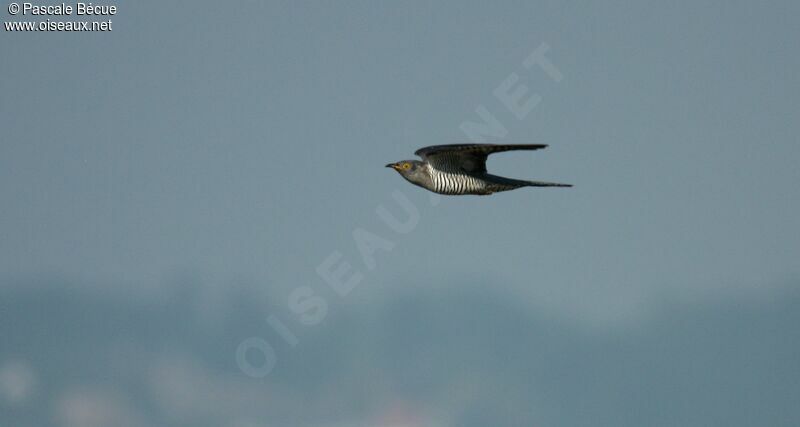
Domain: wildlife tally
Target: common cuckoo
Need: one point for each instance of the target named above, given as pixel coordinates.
(459, 169)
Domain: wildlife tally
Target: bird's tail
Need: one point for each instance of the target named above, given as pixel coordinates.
(545, 184)
(516, 183)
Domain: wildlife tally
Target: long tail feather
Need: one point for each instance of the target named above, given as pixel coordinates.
(546, 184)
(503, 181)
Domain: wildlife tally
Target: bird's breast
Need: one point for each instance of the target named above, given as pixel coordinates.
(454, 183)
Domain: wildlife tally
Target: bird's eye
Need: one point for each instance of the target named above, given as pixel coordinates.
(406, 166)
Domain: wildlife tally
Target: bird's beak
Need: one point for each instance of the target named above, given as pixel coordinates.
(392, 165)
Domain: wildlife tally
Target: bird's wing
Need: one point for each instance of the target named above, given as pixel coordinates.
(470, 158)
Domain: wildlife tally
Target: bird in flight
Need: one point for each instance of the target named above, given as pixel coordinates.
(459, 169)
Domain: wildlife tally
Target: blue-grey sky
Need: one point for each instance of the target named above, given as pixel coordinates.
(167, 187)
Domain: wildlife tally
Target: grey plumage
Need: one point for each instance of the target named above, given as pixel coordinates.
(459, 169)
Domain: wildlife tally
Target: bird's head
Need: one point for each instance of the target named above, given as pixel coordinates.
(412, 170)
